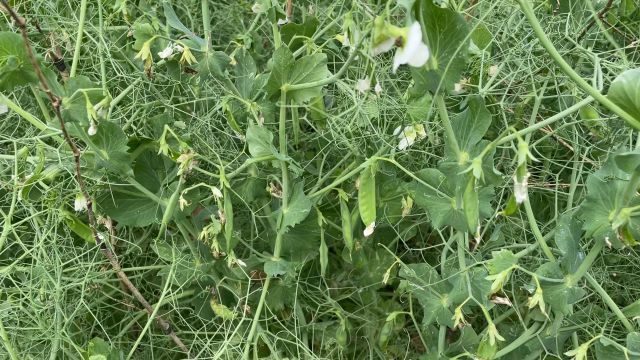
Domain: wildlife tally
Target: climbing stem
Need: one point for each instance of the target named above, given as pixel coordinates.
(277, 249)
(525, 5)
(76, 52)
(609, 301)
(586, 264)
(536, 231)
(448, 129)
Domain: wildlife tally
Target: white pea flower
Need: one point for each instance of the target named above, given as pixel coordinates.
(378, 89)
(493, 70)
(283, 21)
(241, 263)
(369, 229)
(384, 46)
(167, 52)
(178, 48)
(3, 108)
(258, 8)
(93, 129)
(520, 188)
(80, 203)
(413, 51)
(409, 135)
(216, 192)
(363, 85)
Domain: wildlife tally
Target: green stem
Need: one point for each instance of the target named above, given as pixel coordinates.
(24, 114)
(7, 343)
(536, 231)
(76, 52)
(282, 138)
(206, 24)
(41, 104)
(527, 335)
(444, 116)
(573, 279)
(609, 301)
(156, 309)
(525, 5)
(332, 78)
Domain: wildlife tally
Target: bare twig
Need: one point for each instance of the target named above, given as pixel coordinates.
(106, 250)
(600, 15)
(290, 10)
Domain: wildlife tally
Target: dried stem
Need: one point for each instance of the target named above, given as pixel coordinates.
(290, 10)
(600, 15)
(106, 251)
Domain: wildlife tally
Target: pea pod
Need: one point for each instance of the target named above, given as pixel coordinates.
(367, 199)
(342, 334)
(228, 224)
(388, 328)
(347, 225)
(324, 251)
(470, 204)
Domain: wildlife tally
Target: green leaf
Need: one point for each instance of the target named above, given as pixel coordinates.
(174, 22)
(100, 349)
(558, 296)
(447, 38)
(470, 126)
(260, 141)
(129, 205)
(500, 261)
(110, 145)
(275, 268)
(367, 196)
(443, 198)
(625, 92)
(299, 31)
(79, 92)
(245, 71)
(297, 209)
(567, 239)
(437, 297)
(481, 36)
(611, 190)
(288, 71)
(15, 67)
(213, 64)
(222, 310)
(628, 161)
(142, 32)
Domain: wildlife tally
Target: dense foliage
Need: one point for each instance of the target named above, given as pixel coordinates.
(408, 179)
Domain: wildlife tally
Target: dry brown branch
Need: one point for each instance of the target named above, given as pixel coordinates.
(104, 248)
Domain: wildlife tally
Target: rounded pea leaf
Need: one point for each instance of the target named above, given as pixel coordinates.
(447, 37)
(625, 92)
(15, 66)
(288, 71)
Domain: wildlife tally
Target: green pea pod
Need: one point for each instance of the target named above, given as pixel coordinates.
(78, 227)
(342, 335)
(385, 334)
(324, 251)
(470, 204)
(347, 225)
(367, 199)
(228, 224)
(486, 350)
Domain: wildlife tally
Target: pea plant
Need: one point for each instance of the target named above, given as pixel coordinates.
(411, 179)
